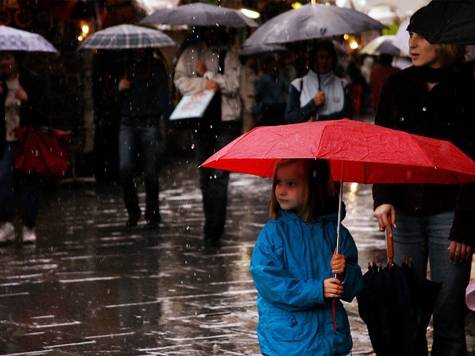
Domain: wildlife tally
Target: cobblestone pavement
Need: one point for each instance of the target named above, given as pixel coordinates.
(91, 287)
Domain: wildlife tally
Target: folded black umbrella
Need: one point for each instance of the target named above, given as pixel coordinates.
(396, 304)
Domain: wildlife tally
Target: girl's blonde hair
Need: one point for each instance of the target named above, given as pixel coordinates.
(320, 197)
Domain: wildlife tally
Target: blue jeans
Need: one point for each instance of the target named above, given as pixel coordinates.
(28, 186)
(427, 239)
(214, 182)
(139, 143)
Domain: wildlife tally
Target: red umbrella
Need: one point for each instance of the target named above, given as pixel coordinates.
(357, 151)
(368, 153)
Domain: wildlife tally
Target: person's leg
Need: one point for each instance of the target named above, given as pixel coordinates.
(449, 312)
(218, 185)
(7, 193)
(410, 241)
(150, 135)
(30, 188)
(128, 141)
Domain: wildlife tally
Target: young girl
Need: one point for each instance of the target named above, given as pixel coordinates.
(294, 263)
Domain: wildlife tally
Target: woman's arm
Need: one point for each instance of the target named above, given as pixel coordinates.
(294, 113)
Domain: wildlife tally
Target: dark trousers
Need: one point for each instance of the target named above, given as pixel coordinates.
(214, 182)
(28, 186)
(139, 141)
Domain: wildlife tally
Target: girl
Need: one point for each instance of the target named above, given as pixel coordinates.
(293, 265)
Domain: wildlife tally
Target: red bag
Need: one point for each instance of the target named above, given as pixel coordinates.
(42, 152)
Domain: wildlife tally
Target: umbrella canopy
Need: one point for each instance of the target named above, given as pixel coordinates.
(259, 49)
(401, 40)
(12, 39)
(199, 14)
(313, 21)
(126, 37)
(396, 304)
(381, 45)
(446, 22)
(357, 151)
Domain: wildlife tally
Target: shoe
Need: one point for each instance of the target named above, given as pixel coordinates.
(132, 221)
(7, 233)
(153, 221)
(28, 235)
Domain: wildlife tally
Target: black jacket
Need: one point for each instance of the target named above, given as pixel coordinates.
(447, 112)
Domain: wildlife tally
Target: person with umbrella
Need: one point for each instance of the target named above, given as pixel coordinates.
(22, 103)
(319, 95)
(298, 273)
(212, 65)
(435, 224)
(143, 95)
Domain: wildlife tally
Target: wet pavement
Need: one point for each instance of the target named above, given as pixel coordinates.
(91, 287)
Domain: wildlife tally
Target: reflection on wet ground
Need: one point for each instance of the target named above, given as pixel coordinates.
(91, 287)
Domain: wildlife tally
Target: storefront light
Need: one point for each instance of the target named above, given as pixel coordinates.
(251, 13)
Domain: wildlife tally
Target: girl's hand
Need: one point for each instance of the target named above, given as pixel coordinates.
(458, 252)
(319, 98)
(338, 264)
(21, 94)
(332, 288)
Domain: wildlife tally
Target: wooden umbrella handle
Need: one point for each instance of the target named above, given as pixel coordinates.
(390, 244)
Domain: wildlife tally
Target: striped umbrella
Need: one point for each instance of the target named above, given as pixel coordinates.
(127, 37)
(12, 39)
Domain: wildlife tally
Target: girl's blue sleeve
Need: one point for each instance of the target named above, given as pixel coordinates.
(275, 283)
(353, 282)
(293, 112)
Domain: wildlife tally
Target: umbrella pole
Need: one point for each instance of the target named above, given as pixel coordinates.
(340, 199)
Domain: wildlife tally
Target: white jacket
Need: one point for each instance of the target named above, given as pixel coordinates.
(187, 80)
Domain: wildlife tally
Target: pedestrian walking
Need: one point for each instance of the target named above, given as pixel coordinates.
(320, 94)
(299, 276)
(143, 95)
(212, 65)
(435, 223)
(22, 103)
(271, 89)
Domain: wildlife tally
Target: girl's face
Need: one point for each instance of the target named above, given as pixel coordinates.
(325, 61)
(7, 63)
(291, 187)
(422, 52)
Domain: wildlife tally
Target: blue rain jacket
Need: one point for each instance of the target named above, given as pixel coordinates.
(291, 259)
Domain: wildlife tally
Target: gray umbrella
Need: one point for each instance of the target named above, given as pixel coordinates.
(199, 14)
(127, 37)
(260, 49)
(313, 21)
(12, 39)
(381, 45)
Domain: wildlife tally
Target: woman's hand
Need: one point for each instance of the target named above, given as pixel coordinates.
(458, 252)
(200, 68)
(386, 215)
(211, 85)
(338, 265)
(124, 84)
(332, 288)
(319, 98)
(21, 94)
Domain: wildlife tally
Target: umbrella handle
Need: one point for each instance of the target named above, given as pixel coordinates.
(390, 244)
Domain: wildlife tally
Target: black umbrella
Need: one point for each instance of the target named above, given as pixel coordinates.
(396, 304)
(199, 14)
(313, 21)
(446, 22)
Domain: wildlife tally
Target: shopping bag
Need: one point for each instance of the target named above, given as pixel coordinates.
(42, 152)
